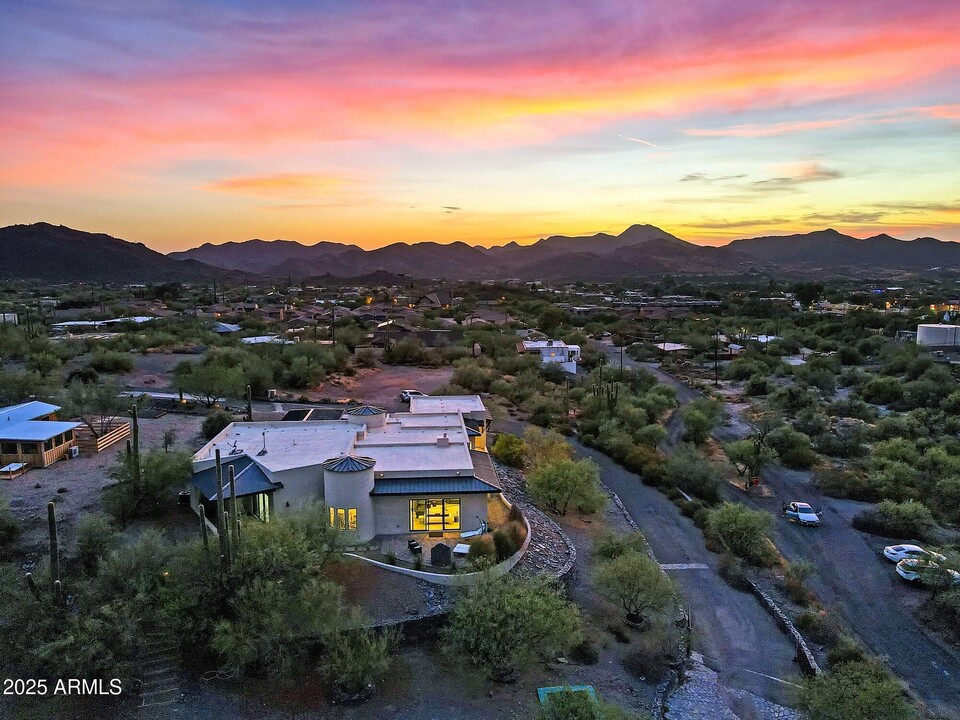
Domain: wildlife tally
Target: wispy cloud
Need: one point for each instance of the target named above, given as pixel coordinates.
(645, 142)
(290, 185)
(722, 224)
(796, 174)
(704, 178)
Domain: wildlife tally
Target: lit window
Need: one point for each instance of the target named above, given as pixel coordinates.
(352, 519)
(341, 519)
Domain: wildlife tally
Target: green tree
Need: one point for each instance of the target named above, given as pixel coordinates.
(210, 383)
(356, 659)
(214, 422)
(697, 424)
(545, 446)
(689, 470)
(749, 457)
(741, 531)
(558, 484)
(635, 581)
(96, 405)
(503, 625)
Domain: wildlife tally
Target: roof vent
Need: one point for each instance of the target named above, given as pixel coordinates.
(264, 451)
(443, 441)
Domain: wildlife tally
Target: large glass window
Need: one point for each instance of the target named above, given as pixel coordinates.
(435, 514)
(48, 445)
(8, 448)
(343, 518)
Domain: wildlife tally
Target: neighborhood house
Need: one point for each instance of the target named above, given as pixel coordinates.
(31, 435)
(552, 352)
(379, 473)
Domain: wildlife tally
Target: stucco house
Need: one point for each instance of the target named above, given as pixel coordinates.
(552, 352)
(378, 473)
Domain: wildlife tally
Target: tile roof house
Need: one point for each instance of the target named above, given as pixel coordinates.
(378, 473)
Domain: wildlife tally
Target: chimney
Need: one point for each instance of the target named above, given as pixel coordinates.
(443, 441)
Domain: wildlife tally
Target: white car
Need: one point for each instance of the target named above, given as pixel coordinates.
(801, 512)
(405, 395)
(896, 553)
(915, 570)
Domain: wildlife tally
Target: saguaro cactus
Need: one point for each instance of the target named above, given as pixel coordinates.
(234, 516)
(54, 546)
(221, 526)
(609, 392)
(137, 477)
(249, 404)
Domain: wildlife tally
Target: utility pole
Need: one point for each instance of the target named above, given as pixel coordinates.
(716, 352)
(621, 359)
(333, 326)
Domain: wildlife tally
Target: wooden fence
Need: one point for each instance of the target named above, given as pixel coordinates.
(116, 431)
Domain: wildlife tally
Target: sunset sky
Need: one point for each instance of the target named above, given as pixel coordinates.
(178, 123)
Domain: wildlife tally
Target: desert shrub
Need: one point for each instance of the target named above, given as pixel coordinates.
(742, 531)
(840, 483)
(757, 385)
(733, 572)
(819, 627)
(845, 649)
(482, 549)
(906, 520)
(515, 514)
(856, 691)
(503, 625)
(110, 361)
(793, 448)
(571, 705)
(689, 470)
(585, 654)
(795, 579)
(405, 352)
(162, 475)
(472, 376)
(365, 358)
(95, 539)
(509, 449)
(653, 652)
(700, 517)
(356, 659)
(9, 529)
(612, 545)
(504, 544)
(214, 422)
(882, 390)
(646, 462)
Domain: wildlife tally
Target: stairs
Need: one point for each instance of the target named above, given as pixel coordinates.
(159, 670)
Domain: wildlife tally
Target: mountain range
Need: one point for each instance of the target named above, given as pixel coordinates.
(60, 254)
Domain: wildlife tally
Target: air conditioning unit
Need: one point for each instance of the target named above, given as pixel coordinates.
(74, 452)
(271, 394)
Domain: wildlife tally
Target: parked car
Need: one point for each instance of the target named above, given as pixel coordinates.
(896, 553)
(920, 570)
(405, 395)
(801, 512)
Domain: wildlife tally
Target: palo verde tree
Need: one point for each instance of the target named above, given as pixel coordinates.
(559, 484)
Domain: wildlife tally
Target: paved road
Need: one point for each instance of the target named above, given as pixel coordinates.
(736, 636)
(850, 577)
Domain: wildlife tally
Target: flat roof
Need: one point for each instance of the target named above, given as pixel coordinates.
(446, 404)
(289, 444)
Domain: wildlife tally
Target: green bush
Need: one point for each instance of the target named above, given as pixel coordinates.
(845, 649)
(882, 390)
(356, 659)
(214, 422)
(856, 691)
(482, 550)
(504, 544)
(653, 652)
(906, 520)
(109, 361)
(503, 625)
(9, 529)
(405, 352)
(637, 583)
(743, 532)
(95, 539)
(689, 470)
(611, 545)
(850, 484)
(509, 449)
